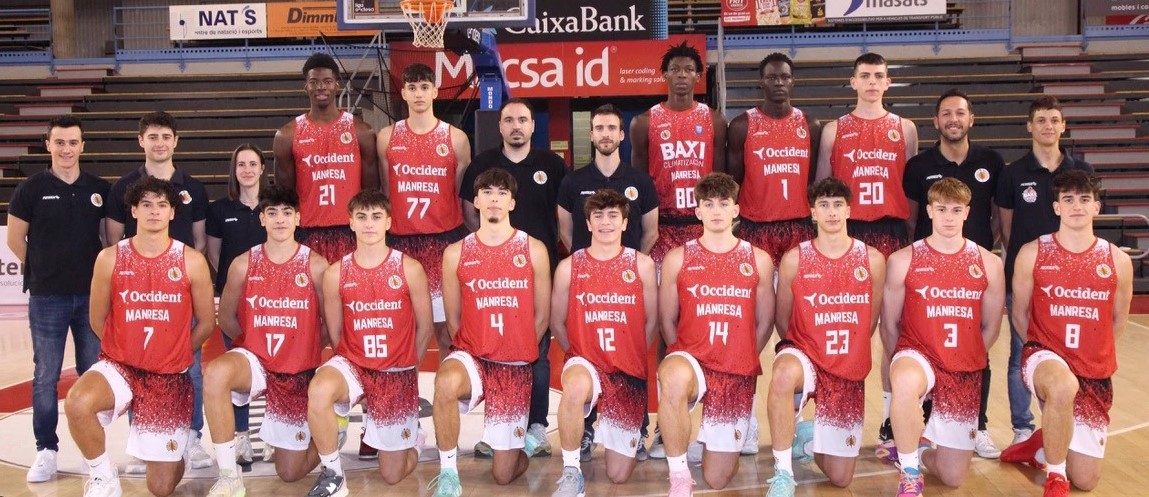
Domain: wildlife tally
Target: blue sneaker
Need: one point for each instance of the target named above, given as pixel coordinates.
(447, 484)
(803, 434)
(570, 484)
(782, 484)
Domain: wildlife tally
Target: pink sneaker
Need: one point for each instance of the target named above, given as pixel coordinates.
(681, 484)
(910, 483)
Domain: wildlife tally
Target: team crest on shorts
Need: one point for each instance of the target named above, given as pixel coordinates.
(300, 436)
(746, 269)
(665, 135)
(442, 149)
(185, 197)
(981, 175)
(973, 434)
(171, 446)
(301, 280)
(345, 138)
(175, 274)
(406, 433)
(894, 135)
(801, 132)
(97, 200)
(394, 282)
(519, 260)
(737, 435)
(518, 432)
(628, 276)
(1101, 441)
(851, 441)
(633, 443)
(1029, 195)
(861, 274)
(975, 271)
(631, 193)
(540, 177)
(1104, 271)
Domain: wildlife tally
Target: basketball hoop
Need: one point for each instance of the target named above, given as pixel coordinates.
(428, 19)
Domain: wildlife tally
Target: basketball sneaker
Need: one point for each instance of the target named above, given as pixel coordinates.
(537, 438)
(586, 447)
(328, 484)
(681, 484)
(228, 485)
(885, 451)
(447, 484)
(782, 484)
(103, 486)
(640, 453)
(1025, 452)
(910, 483)
(984, 446)
(803, 435)
(570, 484)
(244, 454)
(1056, 486)
(44, 468)
(197, 457)
(750, 443)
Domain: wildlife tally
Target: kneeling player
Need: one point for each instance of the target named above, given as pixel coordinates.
(270, 306)
(603, 314)
(941, 312)
(378, 312)
(829, 295)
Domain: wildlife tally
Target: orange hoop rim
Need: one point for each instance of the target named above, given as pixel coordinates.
(432, 11)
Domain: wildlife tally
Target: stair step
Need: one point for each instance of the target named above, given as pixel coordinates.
(1050, 50)
(47, 109)
(1092, 109)
(1125, 183)
(13, 150)
(22, 128)
(65, 91)
(83, 71)
(1104, 131)
(1073, 88)
(1061, 69)
(1113, 155)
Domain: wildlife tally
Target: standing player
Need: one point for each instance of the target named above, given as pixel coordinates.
(496, 289)
(1072, 292)
(538, 172)
(979, 167)
(677, 142)
(1024, 192)
(378, 311)
(772, 149)
(270, 306)
(326, 155)
(55, 227)
(603, 313)
(145, 292)
(716, 306)
(829, 296)
(941, 313)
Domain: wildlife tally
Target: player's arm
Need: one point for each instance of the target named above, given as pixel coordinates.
(332, 304)
(420, 290)
(993, 300)
(214, 246)
(319, 266)
(1023, 288)
(878, 273)
(284, 157)
(462, 146)
(639, 141)
(203, 296)
(1124, 295)
(199, 235)
(825, 150)
(735, 147)
(114, 229)
(719, 142)
(893, 298)
(566, 227)
(815, 128)
(764, 304)
(649, 276)
(784, 298)
(368, 157)
(541, 262)
(100, 295)
(382, 145)
(649, 231)
(17, 236)
(452, 295)
(668, 296)
(229, 298)
(560, 296)
(910, 132)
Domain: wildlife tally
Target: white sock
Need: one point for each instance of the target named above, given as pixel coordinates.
(225, 458)
(1040, 457)
(331, 461)
(909, 461)
(782, 460)
(571, 458)
(449, 459)
(1055, 468)
(886, 404)
(100, 467)
(677, 463)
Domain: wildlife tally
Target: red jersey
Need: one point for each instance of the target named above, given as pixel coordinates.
(1072, 308)
(832, 311)
(941, 317)
(716, 311)
(421, 180)
(870, 156)
(280, 322)
(680, 153)
(777, 165)
(328, 169)
(606, 318)
(149, 324)
(498, 290)
(378, 330)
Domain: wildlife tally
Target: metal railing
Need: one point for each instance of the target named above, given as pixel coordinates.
(30, 37)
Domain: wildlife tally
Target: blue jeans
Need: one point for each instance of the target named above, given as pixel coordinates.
(50, 318)
(1019, 396)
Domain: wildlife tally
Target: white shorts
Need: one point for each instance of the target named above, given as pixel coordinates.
(837, 429)
(1089, 438)
(727, 403)
(285, 419)
(957, 400)
(390, 403)
(161, 406)
(621, 400)
(507, 390)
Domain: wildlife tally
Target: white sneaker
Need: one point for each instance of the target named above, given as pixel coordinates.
(243, 452)
(538, 440)
(228, 486)
(1021, 435)
(103, 486)
(750, 442)
(268, 452)
(135, 466)
(197, 457)
(44, 468)
(984, 446)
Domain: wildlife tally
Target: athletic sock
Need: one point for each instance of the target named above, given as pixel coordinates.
(331, 461)
(571, 458)
(101, 467)
(782, 460)
(225, 458)
(677, 463)
(449, 459)
(1055, 468)
(886, 405)
(908, 461)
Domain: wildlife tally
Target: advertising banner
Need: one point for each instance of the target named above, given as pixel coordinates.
(564, 20)
(851, 11)
(217, 22)
(1116, 8)
(738, 13)
(11, 275)
(305, 20)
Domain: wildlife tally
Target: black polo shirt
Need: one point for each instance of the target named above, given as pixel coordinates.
(63, 231)
(538, 176)
(979, 171)
(1024, 186)
(635, 185)
(192, 210)
(237, 226)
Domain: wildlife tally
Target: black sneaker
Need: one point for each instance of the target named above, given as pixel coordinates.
(641, 454)
(586, 446)
(328, 484)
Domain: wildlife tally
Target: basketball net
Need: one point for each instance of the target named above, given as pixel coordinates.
(428, 19)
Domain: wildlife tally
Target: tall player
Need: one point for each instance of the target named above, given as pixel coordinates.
(603, 314)
(378, 312)
(145, 292)
(677, 142)
(270, 306)
(829, 296)
(771, 151)
(716, 308)
(1071, 294)
(496, 290)
(941, 312)
(326, 155)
